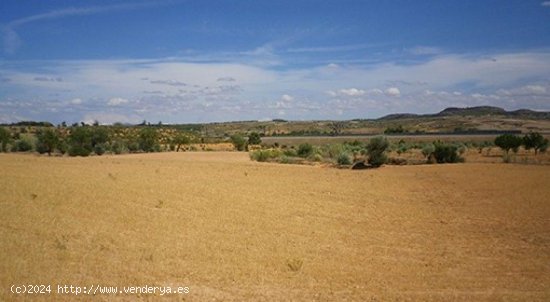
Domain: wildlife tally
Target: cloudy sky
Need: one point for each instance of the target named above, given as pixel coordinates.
(204, 61)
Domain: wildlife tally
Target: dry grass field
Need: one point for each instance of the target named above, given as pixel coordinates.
(234, 230)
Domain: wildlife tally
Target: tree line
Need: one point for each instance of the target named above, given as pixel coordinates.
(84, 140)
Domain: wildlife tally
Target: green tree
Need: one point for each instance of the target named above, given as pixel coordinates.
(534, 140)
(179, 140)
(5, 139)
(47, 141)
(148, 139)
(239, 142)
(99, 136)
(254, 138)
(80, 141)
(508, 141)
(376, 149)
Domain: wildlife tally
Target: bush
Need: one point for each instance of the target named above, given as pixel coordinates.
(264, 155)
(41, 148)
(99, 149)
(343, 159)
(254, 139)
(119, 147)
(179, 140)
(290, 153)
(133, 147)
(63, 147)
(148, 139)
(461, 148)
(305, 150)
(77, 150)
(446, 153)
(21, 146)
(239, 142)
(428, 150)
(376, 149)
(80, 142)
(333, 150)
(5, 139)
(47, 141)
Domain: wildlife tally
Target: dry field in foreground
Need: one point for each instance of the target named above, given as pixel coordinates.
(233, 230)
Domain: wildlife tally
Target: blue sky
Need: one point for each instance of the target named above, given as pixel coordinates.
(203, 61)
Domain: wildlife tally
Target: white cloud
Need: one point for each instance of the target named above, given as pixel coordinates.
(351, 92)
(532, 90)
(117, 101)
(446, 80)
(287, 98)
(375, 91)
(105, 118)
(545, 3)
(393, 91)
(76, 101)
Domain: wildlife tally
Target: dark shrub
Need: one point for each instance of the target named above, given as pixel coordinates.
(5, 138)
(446, 153)
(21, 146)
(254, 139)
(99, 149)
(77, 150)
(148, 139)
(305, 150)
(376, 149)
(80, 142)
(47, 141)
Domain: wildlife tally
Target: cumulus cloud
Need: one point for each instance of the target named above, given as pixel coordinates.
(352, 92)
(432, 85)
(117, 101)
(393, 91)
(287, 98)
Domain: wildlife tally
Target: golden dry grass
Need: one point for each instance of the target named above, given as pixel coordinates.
(235, 230)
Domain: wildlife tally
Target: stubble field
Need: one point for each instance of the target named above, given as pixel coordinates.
(231, 229)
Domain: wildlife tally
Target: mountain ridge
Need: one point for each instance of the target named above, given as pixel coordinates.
(472, 111)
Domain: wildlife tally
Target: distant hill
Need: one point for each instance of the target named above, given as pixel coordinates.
(473, 111)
